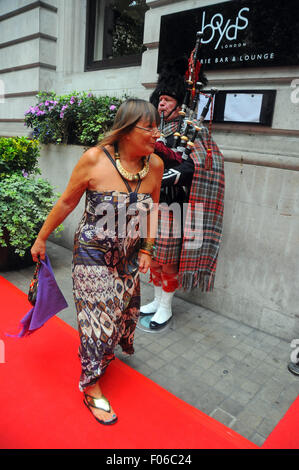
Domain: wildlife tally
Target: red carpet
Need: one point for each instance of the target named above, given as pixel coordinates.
(41, 406)
(286, 434)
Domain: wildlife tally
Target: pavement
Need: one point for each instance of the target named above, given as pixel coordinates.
(228, 370)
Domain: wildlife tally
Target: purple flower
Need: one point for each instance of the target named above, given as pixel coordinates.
(47, 103)
(112, 107)
(24, 173)
(79, 102)
(64, 107)
(72, 100)
(61, 115)
(89, 95)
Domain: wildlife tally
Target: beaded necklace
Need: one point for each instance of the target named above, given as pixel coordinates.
(125, 173)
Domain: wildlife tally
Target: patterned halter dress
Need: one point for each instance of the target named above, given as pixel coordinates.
(105, 276)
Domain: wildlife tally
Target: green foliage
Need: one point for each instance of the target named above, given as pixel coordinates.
(77, 118)
(18, 154)
(24, 205)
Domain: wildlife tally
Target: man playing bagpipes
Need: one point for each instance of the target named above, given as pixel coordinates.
(187, 243)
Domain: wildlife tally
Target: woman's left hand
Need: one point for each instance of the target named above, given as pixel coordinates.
(144, 262)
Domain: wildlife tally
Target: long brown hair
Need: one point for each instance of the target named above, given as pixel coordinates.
(127, 116)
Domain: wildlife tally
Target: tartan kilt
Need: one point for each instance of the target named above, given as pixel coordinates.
(168, 243)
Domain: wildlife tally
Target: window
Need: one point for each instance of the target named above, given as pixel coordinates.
(114, 33)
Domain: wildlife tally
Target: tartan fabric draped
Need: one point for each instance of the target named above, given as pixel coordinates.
(204, 220)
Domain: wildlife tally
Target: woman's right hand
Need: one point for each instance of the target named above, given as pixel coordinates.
(38, 250)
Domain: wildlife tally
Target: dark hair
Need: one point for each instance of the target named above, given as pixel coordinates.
(171, 81)
(127, 116)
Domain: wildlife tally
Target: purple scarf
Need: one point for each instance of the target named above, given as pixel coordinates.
(49, 301)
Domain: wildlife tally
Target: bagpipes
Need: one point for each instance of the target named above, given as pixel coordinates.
(186, 126)
(192, 91)
(162, 136)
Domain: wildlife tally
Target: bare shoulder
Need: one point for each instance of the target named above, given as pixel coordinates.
(89, 159)
(156, 162)
(91, 156)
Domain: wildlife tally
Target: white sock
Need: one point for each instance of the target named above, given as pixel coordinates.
(152, 307)
(164, 311)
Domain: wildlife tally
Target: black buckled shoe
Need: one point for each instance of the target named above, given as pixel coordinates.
(158, 326)
(142, 314)
(294, 368)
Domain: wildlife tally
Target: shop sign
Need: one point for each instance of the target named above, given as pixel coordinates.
(236, 34)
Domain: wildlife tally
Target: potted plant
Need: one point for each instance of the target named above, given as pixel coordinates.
(25, 201)
(79, 118)
(18, 154)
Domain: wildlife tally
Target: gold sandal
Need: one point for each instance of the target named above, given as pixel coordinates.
(100, 404)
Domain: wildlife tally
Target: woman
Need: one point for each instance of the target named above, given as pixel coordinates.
(108, 251)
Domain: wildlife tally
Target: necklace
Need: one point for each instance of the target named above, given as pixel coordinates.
(131, 176)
